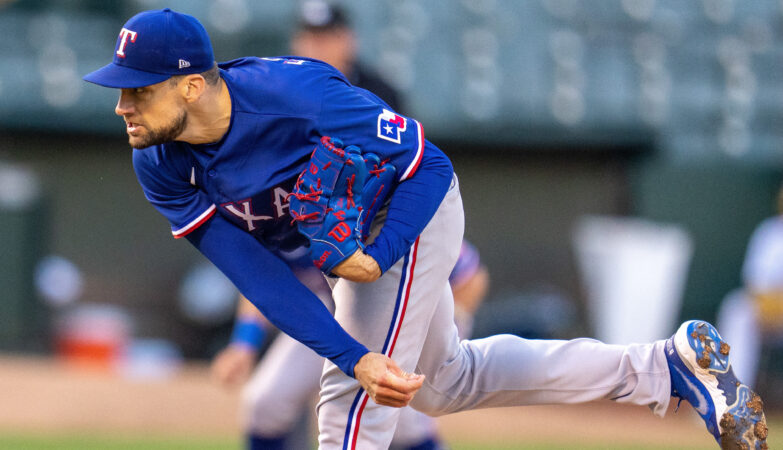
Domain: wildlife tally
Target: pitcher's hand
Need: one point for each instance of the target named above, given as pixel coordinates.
(359, 267)
(233, 365)
(385, 382)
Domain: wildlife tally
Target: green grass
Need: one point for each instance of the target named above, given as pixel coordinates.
(579, 446)
(572, 446)
(68, 442)
(775, 441)
(19, 441)
(103, 441)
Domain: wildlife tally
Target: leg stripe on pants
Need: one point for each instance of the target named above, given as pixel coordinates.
(402, 299)
(403, 293)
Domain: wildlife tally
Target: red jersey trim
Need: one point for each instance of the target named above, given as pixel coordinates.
(419, 152)
(197, 222)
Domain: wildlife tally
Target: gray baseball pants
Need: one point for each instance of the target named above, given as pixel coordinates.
(408, 314)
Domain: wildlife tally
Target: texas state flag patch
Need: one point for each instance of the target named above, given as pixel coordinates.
(391, 126)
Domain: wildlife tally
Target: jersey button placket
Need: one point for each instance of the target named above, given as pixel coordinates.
(212, 173)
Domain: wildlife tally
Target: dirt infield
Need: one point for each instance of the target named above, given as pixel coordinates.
(43, 395)
(590, 424)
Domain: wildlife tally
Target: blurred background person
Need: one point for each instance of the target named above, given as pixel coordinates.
(285, 383)
(324, 32)
(753, 313)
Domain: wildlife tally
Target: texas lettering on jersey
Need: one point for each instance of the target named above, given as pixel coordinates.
(244, 211)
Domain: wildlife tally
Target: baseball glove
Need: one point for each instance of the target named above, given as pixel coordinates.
(377, 187)
(326, 203)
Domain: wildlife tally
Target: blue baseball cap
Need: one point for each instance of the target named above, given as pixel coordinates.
(152, 47)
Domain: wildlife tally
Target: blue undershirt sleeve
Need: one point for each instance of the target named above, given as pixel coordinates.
(271, 286)
(412, 205)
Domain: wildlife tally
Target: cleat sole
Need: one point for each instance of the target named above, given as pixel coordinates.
(743, 425)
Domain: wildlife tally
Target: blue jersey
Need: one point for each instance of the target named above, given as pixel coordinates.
(280, 108)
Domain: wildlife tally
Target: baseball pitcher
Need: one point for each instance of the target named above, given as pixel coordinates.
(257, 154)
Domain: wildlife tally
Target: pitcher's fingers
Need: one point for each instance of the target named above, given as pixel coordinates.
(404, 383)
(412, 375)
(393, 394)
(390, 403)
(394, 369)
(389, 397)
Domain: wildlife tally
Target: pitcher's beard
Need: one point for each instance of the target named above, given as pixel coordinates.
(167, 133)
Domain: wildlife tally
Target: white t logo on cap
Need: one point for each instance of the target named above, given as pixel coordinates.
(124, 33)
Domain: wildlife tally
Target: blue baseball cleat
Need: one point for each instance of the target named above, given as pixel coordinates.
(701, 374)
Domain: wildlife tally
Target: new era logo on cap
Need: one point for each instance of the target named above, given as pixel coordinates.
(153, 46)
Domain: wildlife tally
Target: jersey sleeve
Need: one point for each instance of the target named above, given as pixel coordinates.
(169, 185)
(271, 286)
(358, 117)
